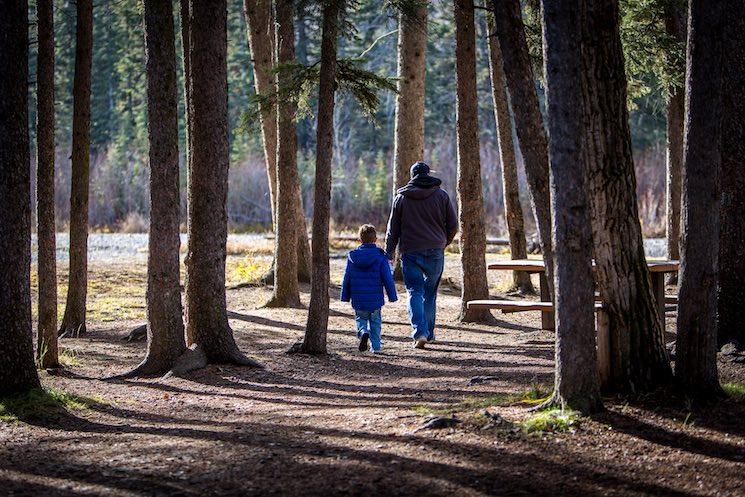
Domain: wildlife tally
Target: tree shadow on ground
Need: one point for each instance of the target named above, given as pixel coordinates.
(258, 458)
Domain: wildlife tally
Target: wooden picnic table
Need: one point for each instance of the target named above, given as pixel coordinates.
(657, 268)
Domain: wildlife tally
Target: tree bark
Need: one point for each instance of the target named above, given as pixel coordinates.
(731, 293)
(408, 146)
(318, 312)
(260, 24)
(165, 326)
(207, 324)
(528, 120)
(577, 385)
(675, 27)
(696, 351)
(46, 350)
(17, 369)
(286, 261)
(73, 321)
(639, 359)
(513, 211)
(470, 193)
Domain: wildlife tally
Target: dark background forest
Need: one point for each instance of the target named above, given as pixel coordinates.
(363, 148)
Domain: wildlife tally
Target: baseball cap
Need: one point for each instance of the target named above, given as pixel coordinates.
(420, 167)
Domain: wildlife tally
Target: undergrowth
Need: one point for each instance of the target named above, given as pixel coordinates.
(550, 421)
(735, 390)
(533, 395)
(43, 402)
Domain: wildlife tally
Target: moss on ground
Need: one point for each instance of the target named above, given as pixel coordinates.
(43, 402)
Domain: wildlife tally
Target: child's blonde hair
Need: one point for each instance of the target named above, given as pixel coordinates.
(367, 233)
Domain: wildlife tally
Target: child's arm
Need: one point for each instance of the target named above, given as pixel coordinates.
(388, 283)
(346, 293)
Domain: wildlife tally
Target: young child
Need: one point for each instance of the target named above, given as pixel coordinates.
(367, 273)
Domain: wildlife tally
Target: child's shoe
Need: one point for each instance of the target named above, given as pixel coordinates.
(364, 342)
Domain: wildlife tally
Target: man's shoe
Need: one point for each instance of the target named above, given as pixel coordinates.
(419, 343)
(363, 342)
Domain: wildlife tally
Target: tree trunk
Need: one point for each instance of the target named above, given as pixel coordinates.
(675, 27)
(513, 211)
(408, 144)
(260, 23)
(577, 385)
(470, 196)
(286, 262)
(696, 351)
(165, 326)
(639, 359)
(17, 369)
(73, 322)
(318, 312)
(46, 349)
(528, 120)
(207, 325)
(731, 313)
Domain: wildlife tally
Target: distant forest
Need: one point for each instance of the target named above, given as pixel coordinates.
(362, 148)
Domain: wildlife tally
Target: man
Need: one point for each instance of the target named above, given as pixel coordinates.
(422, 223)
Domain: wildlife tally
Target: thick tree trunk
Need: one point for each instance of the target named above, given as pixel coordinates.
(470, 196)
(17, 369)
(675, 26)
(408, 146)
(165, 327)
(696, 343)
(73, 322)
(528, 120)
(207, 325)
(260, 24)
(46, 350)
(286, 291)
(639, 359)
(318, 312)
(731, 313)
(577, 385)
(513, 211)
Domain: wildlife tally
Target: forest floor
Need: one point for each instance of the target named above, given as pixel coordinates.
(347, 423)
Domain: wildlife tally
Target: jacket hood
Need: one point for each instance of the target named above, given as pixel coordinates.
(366, 255)
(420, 187)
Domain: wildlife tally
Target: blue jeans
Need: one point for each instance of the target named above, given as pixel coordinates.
(422, 272)
(369, 322)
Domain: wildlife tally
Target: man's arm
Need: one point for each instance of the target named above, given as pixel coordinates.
(451, 220)
(393, 233)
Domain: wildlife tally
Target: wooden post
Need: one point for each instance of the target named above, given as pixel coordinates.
(547, 317)
(658, 288)
(603, 340)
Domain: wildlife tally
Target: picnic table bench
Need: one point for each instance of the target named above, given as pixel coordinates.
(657, 268)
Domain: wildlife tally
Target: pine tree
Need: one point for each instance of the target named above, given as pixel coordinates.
(46, 349)
(208, 330)
(316, 328)
(470, 196)
(513, 211)
(639, 360)
(577, 385)
(17, 369)
(165, 327)
(73, 322)
(696, 341)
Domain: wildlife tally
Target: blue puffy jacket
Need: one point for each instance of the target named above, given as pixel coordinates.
(366, 274)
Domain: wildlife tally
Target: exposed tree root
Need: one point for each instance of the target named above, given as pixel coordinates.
(71, 331)
(483, 316)
(137, 334)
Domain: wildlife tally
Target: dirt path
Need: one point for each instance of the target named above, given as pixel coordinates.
(344, 424)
